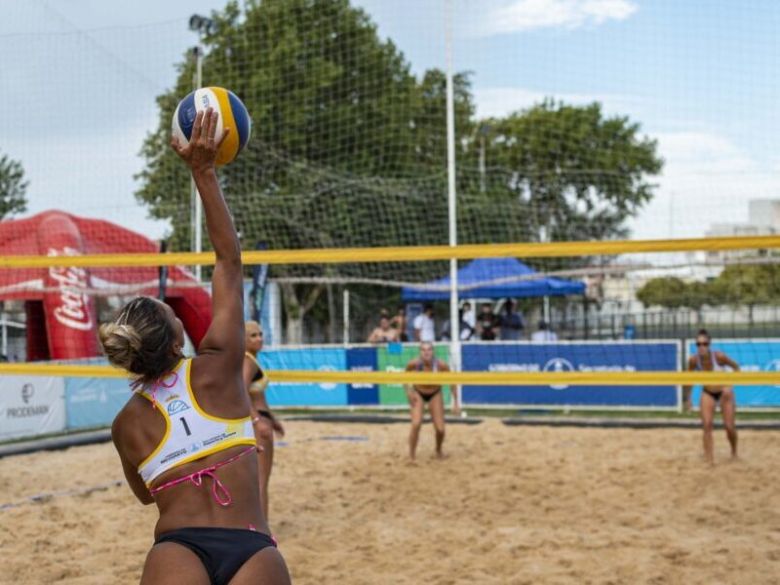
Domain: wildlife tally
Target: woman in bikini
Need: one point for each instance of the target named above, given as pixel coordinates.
(420, 394)
(707, 360)
(263, 420)
(184, 438)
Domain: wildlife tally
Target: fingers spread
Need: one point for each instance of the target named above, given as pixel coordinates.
(213, 119)
(196, 127)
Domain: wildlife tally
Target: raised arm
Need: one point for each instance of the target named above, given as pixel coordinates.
(226, 332)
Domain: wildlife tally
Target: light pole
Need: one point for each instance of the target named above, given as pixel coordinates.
(484, 129)
(201, 25)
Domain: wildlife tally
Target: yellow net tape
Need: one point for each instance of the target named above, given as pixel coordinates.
(404, 253)
(429, 378)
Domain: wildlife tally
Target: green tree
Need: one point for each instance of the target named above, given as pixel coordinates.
(348, 149)
(666, 291)
(346, 143)
(748, 285)
(577, 174)
(12, 187)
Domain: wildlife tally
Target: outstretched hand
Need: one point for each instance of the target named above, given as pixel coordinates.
(200, 152)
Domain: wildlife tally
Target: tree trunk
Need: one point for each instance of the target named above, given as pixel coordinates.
(296, 310)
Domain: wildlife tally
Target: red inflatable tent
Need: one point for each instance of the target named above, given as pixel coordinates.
(60, 302)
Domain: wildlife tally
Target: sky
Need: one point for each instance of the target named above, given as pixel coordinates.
(79, 80)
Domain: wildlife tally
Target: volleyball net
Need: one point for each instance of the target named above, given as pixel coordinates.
(530, 314)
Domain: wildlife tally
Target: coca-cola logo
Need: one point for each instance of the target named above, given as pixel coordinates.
(72, 310)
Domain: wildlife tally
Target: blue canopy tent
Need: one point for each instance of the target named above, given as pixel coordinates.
(501, 278)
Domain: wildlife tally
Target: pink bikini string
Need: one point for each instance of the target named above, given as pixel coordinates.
(160, 384)
(218, 490)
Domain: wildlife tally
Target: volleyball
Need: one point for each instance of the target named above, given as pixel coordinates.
(232, 114)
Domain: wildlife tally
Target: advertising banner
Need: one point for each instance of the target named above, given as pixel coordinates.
(760, 355)
(625, 357)
(324, 359)
(362, 359)
(31, 405)
(94, 402)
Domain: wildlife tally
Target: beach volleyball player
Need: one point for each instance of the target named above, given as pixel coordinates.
(184, 437)
(263, 420)
(707, 360)
(420, 394)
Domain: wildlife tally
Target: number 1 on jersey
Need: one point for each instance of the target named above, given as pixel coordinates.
(186, 427)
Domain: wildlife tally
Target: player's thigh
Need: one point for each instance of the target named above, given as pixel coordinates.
(436, 408)
(728, 404)
(707, 406)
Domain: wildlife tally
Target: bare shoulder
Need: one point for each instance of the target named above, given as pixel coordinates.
(413, 363)
(128, 418)
(444, 366)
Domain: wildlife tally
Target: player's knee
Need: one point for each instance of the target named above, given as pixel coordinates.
(707, 425)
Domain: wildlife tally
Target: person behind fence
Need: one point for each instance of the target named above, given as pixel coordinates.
(488, 323)
(264, 423)
(511, 322)
(464, 329)
(424, 328)
(383, 333)
(469, 317)
(544, 333)
(431, 394)
(185, 438)
(398, 322)
(708, 360)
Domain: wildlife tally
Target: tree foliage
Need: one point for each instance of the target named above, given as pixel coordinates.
(13, 187)
(349, 149)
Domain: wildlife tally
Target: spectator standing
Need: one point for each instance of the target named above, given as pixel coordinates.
(488, 323)
(511, 323)
(383, 333)
(424, 327)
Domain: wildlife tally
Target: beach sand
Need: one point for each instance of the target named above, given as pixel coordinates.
(509, 505)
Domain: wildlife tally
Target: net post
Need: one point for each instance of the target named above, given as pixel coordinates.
(195, 202)
(451, 198)
(345, 315)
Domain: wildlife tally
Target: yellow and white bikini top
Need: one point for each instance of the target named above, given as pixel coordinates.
(190, 433)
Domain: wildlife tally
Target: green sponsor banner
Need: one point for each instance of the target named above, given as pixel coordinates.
(393, 358)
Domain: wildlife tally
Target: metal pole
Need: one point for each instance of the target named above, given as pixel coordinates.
(195, 202)
(345, 312)
(482, 162)
(4, 348)
(452, 209)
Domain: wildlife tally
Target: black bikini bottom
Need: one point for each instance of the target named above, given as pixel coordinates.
(223, 551)
(715, 395)
(427, 397)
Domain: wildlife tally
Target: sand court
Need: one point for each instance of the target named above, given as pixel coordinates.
(510, 505)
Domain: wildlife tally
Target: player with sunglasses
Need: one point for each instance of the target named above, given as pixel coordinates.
(707, 360)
